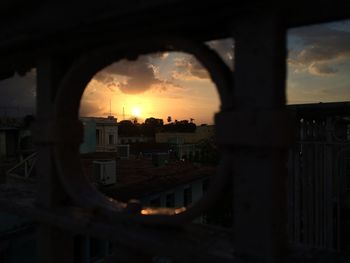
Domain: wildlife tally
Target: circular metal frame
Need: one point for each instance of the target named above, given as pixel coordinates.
(66, 116)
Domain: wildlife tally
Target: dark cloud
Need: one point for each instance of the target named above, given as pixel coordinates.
(91, 108)
(188, 68)
(225, 48)
(18, 95)
(159, 55)
(322, 47)
(322, 69)
(140, 76)
(197, 69)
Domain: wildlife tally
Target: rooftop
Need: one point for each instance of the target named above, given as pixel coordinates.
(322, 108)
(137, 178)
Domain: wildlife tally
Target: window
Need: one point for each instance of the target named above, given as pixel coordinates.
(205, 184)
(111, 139)
(155, 202)
(170, 200)
(98, 135)
(187, 196)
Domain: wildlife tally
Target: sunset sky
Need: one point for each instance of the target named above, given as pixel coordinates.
(174, 84)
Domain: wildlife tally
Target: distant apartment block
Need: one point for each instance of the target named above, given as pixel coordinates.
(122, 139)
(201, 133)
(100, 134)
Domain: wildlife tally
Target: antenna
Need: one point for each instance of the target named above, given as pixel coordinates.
(110, 107)
(123, 114)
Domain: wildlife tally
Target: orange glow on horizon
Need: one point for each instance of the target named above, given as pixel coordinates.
(162, 211)
(145, 91)
(136, 111)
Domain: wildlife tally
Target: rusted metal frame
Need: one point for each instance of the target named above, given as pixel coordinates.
(54, 245)
(67, 147)
(259, 169)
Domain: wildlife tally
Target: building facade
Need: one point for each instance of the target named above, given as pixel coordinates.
(100, 134)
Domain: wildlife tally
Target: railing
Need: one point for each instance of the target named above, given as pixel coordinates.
(106, 148)
(24, 168)
(318, 179)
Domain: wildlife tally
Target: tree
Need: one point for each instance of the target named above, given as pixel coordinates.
(151, 126)
(169, 119)
(127, 127)
(180, 126)
(209, 153)
(154, 122)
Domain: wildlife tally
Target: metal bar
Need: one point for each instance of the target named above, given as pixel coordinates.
(31, 166)
(21, 163)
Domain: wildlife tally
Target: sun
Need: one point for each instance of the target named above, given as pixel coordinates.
(136, 111)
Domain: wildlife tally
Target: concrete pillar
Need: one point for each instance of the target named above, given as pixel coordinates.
(260, 168)
(54, 245)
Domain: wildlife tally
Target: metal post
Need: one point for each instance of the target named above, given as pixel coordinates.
(260, 171)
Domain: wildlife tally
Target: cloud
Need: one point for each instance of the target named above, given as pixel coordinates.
(18, 94)
(91, 108)
(322, 69)
(321, 48)
(164, 55)
(225, 48)
(134, 77)
(131, 77)
(188, 68)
